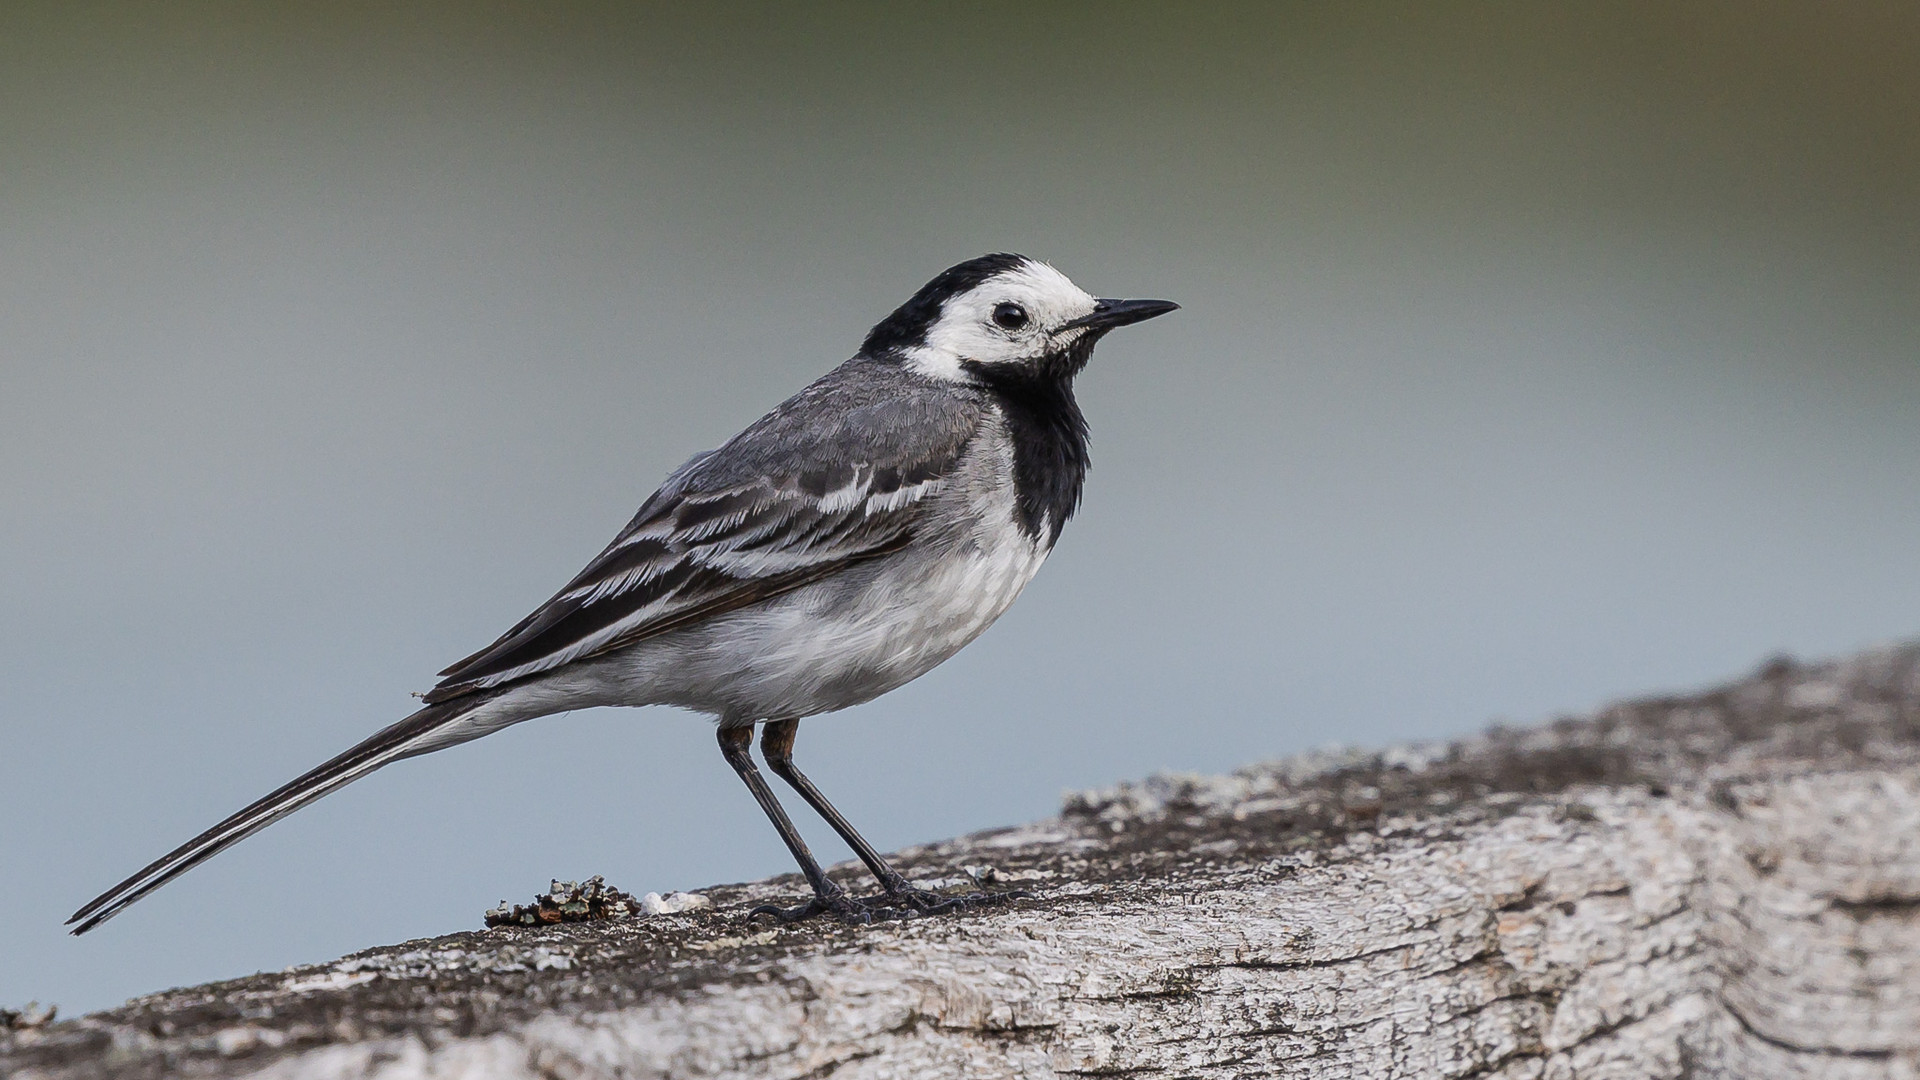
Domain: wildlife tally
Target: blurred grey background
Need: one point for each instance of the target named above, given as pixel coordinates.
(1533, 355)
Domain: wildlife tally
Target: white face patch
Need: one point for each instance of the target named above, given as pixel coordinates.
(968, 329)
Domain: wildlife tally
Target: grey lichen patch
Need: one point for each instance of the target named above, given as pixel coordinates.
(34, 1015)
(427, 963)
(592, 900)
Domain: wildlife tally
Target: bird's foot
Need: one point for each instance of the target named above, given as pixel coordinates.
(837, 904)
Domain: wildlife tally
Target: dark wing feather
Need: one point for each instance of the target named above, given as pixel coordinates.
(837, 475)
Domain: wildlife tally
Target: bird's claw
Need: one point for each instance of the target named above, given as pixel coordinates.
(839, 905)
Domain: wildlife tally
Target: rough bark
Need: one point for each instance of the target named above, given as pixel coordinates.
(1719, 885)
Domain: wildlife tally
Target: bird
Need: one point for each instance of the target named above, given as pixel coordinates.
(847, 542)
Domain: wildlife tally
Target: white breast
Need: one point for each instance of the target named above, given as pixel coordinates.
(852, 641)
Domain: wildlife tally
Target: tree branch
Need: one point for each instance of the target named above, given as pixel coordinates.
(1719, 885)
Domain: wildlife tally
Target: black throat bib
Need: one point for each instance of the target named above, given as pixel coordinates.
(1049, 438)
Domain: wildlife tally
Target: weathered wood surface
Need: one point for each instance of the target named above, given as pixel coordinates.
(1724, 885)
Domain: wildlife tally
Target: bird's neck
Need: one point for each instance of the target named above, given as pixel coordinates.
(1049, 436)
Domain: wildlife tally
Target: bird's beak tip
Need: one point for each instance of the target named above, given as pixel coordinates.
(1108, 314)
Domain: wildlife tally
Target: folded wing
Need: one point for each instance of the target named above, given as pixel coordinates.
(780, 506)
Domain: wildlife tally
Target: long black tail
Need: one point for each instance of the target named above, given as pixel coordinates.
(386, 746)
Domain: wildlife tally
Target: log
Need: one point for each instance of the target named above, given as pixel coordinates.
(1722, 884)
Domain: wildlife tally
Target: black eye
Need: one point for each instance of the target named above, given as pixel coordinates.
(1009, 315)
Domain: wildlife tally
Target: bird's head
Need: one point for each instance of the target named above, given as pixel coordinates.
(1001, 316)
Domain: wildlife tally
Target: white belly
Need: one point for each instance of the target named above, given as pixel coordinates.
(842, 641)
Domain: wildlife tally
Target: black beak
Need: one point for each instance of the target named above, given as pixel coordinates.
(1108, 314)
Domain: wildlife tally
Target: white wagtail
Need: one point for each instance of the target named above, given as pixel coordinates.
(843, 545)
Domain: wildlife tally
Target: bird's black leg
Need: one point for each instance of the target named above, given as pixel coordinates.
(736, 744)
(776, 745)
